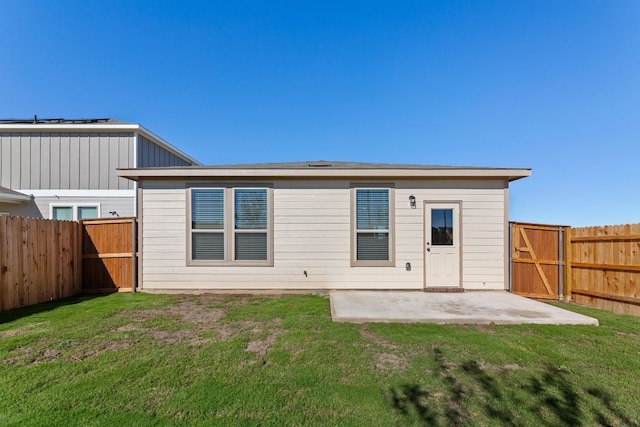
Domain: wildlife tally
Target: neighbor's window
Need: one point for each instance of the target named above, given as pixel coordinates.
(86, 212)
(372, 227)
(74, 212)
(231, 225)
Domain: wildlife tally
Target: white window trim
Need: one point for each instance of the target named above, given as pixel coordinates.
(5, 213)
(391, 262)
(74, 207)
(229, 226)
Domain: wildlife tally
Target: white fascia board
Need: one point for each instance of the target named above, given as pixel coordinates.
(206, 173)
(105, 127)
(71, 127)
(14, 198)
(79, 193)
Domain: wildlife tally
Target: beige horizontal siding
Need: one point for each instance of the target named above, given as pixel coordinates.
(312, 232)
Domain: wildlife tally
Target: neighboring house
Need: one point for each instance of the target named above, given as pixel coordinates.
(323, 225)
(66, 169)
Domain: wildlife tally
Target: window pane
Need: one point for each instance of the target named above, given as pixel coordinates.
(251, 246)
(208, 246)
(442, 227)
(251, 209)
(372, 209)
(63, 213)
(87, 212)
(372, 246)
(207, 209)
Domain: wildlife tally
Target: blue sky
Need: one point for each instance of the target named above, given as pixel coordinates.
(548, 85)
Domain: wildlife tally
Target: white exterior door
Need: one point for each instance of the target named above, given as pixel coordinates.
(442, 244)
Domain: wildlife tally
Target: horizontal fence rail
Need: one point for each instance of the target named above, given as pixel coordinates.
(39, 261)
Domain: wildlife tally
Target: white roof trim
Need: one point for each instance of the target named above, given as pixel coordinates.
(13, 197)
(79, 193)
(208, 173)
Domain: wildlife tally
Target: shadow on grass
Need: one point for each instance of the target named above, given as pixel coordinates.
(19, 313)
(465, 391)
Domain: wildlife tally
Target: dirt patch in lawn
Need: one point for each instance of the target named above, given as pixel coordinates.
(261, 346)
(46, 350)
(375, 339)
(20, 330)
(194, 321)
(390, 362)
(389, 359)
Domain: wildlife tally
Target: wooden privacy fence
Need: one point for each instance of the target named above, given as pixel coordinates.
(39, 261)
(596, 266)
(605, 267)
(109, 255)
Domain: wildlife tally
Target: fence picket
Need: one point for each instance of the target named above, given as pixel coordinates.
(37, 261)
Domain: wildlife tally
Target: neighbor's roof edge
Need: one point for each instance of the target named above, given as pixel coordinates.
(11, 196)
(510, 174)
(110, 126)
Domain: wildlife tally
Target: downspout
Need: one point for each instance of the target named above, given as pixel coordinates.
(134, 231)
(135, 165)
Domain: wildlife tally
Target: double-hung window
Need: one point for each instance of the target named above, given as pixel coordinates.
(372, 227)
(231, 225)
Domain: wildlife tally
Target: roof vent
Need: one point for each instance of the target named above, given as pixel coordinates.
(320, 165)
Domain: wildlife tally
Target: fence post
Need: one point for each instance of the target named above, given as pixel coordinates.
(567, 264)
(134, 248)
(511, 257)
(79, 278)
(560, 265)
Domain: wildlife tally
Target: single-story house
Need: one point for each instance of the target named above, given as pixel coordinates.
(323, 225)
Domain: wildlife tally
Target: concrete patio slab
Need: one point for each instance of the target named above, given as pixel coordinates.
(479, 307)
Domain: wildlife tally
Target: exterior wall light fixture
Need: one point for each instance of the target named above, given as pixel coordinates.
(412, 201)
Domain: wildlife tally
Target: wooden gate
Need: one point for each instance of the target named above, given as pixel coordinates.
(109, 255)
(537, 260)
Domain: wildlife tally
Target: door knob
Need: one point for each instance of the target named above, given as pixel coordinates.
(428, 249)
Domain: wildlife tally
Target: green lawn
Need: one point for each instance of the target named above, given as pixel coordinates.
(140, 359)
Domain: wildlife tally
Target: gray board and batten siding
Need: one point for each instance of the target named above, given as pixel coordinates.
(63, 160)
(75, 163)
(152, 155)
